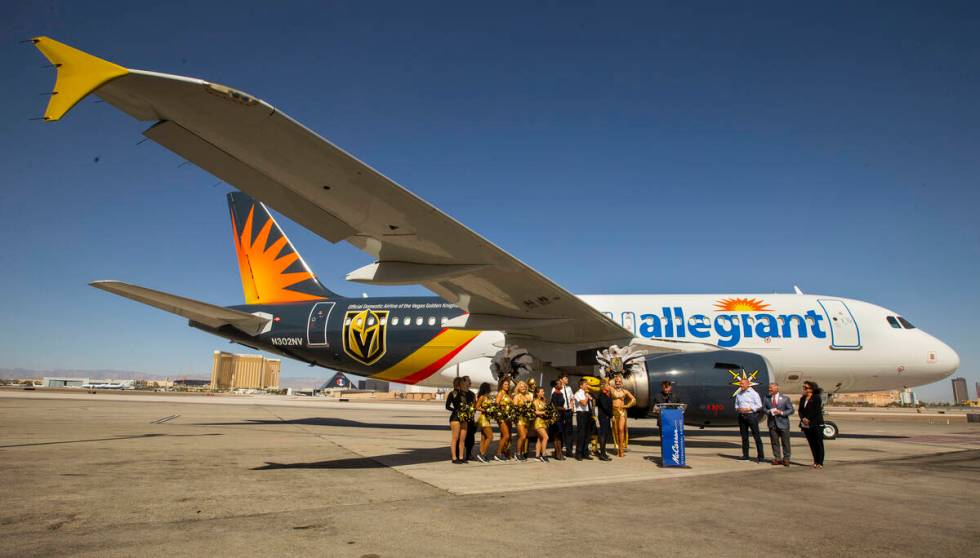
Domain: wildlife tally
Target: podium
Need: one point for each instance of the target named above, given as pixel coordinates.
(672, 435)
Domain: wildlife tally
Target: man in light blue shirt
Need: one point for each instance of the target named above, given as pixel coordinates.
(747, 407)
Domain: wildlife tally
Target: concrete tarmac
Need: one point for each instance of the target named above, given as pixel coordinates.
(123, 475)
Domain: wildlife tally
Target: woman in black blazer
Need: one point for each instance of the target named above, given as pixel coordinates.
(810, 410)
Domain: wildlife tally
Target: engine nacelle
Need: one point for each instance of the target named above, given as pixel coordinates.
(704, 381)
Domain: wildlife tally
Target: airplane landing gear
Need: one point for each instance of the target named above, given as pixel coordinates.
(830, 430)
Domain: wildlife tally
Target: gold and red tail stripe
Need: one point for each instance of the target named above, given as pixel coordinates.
(429, 358)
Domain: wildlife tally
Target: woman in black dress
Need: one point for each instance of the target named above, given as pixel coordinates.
(454, 403)
(811, 420)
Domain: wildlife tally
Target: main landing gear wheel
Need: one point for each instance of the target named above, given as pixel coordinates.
(830, 430)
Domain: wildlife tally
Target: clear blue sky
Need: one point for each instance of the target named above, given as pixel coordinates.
(720, 149)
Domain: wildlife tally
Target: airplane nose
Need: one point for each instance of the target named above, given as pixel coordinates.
(947, 360)
(954, 359)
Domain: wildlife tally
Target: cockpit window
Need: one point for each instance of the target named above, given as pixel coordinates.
(893, 322)
(905, 323)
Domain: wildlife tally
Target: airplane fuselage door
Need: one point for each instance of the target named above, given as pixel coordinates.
(316, 326)
(629, 322)
(844, 332)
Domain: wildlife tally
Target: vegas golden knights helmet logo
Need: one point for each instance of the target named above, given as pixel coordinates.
(365, 334)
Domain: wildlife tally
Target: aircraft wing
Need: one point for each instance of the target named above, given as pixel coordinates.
(260, 150)
(201, 312)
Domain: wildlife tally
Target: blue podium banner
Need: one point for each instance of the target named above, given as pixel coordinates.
(672, 437)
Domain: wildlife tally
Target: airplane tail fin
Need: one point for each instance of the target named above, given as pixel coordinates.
(272, 270)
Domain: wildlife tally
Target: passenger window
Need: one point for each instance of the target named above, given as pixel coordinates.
(347, 322)
(432, 320)
(893, 322)
(418, 321)
(370, 321)
(394, 321)
(905, 323)
(445, 321)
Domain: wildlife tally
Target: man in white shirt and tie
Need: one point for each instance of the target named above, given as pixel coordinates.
(583, 420)
(566, 415)
(747, 407)
(778, 408)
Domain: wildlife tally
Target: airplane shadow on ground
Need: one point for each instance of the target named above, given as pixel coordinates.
(646, 437)
(635, 431)
(331, 421)
(654, 442)
(766, 461)
(732, 431)
(112, 439)
(413, 456)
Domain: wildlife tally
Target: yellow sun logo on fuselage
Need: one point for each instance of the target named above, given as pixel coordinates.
(742, 305)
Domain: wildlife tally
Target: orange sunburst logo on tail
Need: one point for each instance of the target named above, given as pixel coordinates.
(264, 276)
(742, 305)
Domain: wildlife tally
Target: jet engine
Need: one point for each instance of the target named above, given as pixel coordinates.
(705, 381)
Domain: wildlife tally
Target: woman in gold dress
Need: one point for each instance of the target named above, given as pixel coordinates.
(622, 399)
(503, 400)
(540, 425)
(483, 422)
(521, 398)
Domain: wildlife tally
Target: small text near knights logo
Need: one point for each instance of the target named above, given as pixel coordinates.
(365, 334)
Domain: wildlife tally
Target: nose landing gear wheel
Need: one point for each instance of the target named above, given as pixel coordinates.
(830, 430)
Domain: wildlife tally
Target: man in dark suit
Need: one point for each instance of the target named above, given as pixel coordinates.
(470, 440)
(557, 430)
(666, 395)
(566, 413)
(778, 409)
(604, 408)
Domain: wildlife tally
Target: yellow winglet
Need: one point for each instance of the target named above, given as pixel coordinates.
(78, 75)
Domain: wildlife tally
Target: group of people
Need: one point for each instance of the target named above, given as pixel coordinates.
(571, 419)
(582, 416)
(777, 408)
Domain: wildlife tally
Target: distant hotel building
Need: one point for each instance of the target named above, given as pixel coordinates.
(872, 398)
(230, 371)
(959, 390)
(378, 385)
(64, 382)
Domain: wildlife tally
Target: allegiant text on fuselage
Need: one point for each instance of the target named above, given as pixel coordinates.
(730, 328)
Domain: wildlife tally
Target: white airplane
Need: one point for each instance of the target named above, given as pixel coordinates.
(488, 301)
